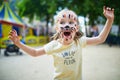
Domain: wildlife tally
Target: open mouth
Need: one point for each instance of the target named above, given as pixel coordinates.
(67, 34)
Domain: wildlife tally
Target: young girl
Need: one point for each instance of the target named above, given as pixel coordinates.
(66, 47)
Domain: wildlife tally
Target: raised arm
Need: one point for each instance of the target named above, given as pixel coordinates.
(31, 51)
(109, 14)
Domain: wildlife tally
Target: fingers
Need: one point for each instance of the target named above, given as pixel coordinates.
(14, 31)
(12, 34)
(108, 8)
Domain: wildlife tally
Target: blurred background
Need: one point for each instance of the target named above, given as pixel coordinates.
(34, 22)
(38, 19)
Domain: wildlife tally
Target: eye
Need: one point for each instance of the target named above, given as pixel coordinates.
(62, 22)
(71, 22)
(72, 28)
(61, 28)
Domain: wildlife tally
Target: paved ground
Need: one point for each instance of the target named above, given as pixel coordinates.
(99, 63)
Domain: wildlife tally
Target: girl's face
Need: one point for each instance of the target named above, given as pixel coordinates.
(67, 26)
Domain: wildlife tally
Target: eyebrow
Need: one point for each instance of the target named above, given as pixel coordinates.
(62, 19)
(70, 19)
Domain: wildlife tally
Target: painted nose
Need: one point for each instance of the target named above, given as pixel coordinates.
(67, 27)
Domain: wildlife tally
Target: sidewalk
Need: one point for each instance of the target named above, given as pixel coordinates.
(99, 63)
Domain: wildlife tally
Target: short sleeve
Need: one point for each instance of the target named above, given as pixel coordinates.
(49, 47)
(83, 41)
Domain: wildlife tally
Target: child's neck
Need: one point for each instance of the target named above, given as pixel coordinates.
(65, 41)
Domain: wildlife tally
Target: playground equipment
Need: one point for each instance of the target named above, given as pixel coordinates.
(32, 39)
(8, 21)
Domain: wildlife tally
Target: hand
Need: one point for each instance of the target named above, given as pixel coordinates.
(108, 13)
(14, 37)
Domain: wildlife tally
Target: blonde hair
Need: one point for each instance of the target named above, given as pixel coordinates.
(56, 36)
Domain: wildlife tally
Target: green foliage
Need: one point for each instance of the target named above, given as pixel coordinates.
(1, 2)
(113, 4)
(45, 9)
(40, 8)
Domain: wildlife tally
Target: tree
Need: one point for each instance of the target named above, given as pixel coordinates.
(43, 9)
(116, 5)
(1, 2)
(46, 9)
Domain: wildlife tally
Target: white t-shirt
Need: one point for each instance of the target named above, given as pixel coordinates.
(67, 59)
